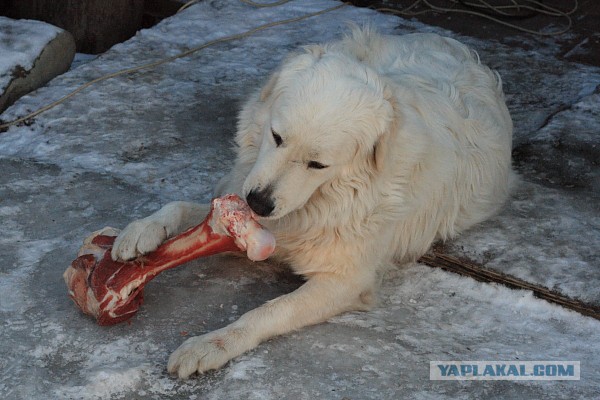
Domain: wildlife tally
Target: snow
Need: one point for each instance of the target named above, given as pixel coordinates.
(21, 42)
(124, 147)
(558, 235)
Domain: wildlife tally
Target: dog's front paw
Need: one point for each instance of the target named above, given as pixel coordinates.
(138, 238)
(203, 353)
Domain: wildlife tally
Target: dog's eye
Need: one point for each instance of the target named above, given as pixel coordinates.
(278, 140)
(316, 165)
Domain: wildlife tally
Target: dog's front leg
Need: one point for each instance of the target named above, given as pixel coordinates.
(146, 234)
(323, 296)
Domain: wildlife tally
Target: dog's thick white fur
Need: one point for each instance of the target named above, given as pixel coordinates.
(358, 153)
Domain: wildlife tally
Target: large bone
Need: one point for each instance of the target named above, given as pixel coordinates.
(112, 291)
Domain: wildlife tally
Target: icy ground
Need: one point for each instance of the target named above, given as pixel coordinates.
(121, 149)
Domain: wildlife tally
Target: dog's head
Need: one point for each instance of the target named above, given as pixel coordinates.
(327, 115)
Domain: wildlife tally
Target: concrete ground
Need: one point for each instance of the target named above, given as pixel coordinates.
(122, 148)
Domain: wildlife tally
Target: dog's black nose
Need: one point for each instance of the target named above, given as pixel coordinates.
(260, 201)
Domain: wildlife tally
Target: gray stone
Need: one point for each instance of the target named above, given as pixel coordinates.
(96, 25)
(34, 69)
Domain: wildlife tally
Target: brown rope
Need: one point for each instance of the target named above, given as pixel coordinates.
(483, 274)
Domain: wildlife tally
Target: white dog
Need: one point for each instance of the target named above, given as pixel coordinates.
(356, 153)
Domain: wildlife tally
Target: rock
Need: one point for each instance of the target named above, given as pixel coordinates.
(33, 53)
(96, 25)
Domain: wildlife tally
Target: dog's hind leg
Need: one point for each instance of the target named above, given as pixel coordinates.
(323, 296)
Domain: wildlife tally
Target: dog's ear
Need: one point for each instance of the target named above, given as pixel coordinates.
(383, 143)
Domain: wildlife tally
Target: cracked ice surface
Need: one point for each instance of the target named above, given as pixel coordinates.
(122, 148)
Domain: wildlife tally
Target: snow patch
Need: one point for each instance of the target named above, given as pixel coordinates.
(105, 384)
(13, 292)
(246, 369)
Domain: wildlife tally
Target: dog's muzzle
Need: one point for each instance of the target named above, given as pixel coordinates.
(260, 201)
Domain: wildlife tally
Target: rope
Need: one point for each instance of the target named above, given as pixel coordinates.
(536, 7)
(6, 125)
